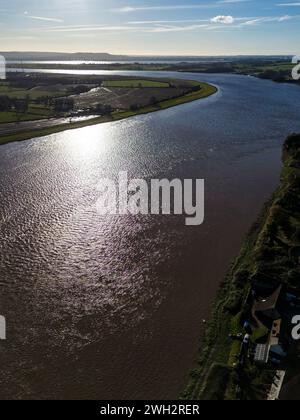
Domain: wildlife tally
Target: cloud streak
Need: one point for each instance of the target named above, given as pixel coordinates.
(45, 19)
(269, 19)
(289, 4)
(160, 26)
(129, 9)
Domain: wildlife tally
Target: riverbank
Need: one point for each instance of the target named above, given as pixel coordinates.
(278, 70)
(269, 260)
(205, 90)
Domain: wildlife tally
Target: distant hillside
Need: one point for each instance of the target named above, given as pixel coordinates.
(53, 56)
(87, 56)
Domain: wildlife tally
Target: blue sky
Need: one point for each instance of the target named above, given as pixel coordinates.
(174, 27)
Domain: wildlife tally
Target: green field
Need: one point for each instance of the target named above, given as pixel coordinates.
(20, 93)
(257, 68)
(35, 112)
(135, 84)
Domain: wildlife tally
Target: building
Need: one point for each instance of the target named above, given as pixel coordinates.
(262, 353)
(265, 311)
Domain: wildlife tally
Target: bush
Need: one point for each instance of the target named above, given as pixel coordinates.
(153, 100)
(103, 109)
(241, 278)
(216, 383)
(64, 104)
(265, 253)
(77, 90)
(234, 302)
(134, 107)
(5, 104)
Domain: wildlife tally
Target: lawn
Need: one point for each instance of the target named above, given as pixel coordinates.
(135, 84)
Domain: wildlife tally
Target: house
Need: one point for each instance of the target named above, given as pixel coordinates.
(266, 310)
(268, 313)
(273, 350)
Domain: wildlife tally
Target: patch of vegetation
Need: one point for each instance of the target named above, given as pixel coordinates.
(259, 333)
(216, 382)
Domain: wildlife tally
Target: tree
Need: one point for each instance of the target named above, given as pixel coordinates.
(196, 88)
(64, 104)
(5, 104)
(134, 107)
(153, 100)
(103, 109)
(21, 106)
(77, 90)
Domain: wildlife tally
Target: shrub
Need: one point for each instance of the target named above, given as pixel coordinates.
(134, 107)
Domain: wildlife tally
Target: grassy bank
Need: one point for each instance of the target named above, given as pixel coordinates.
(265, 258)
(205, 91)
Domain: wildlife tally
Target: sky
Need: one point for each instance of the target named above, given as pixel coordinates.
(151, 27)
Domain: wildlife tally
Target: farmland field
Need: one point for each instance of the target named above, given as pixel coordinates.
(20, 93)
(139, 83)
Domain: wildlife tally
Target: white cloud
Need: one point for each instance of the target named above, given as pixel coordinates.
(284, 18)
(228, 20)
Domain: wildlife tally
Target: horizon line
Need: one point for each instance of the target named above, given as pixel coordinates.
(145, 55)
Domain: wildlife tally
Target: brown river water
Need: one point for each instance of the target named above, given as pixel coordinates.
(102, 307)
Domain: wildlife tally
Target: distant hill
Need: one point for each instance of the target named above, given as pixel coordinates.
(53, 56)
(86, 56)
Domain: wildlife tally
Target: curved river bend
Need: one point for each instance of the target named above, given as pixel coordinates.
(112, 307)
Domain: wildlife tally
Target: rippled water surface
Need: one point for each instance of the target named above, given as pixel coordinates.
(112, 307)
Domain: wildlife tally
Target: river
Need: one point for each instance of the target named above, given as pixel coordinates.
(112, 307)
